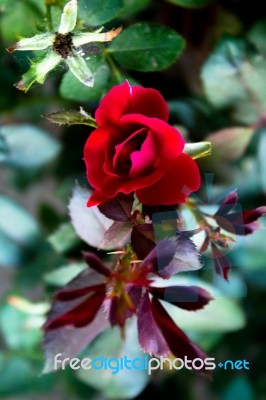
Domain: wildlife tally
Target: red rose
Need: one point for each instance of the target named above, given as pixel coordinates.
(134, 149)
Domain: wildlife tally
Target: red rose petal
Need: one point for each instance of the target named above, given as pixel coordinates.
(144, 159)
(125, 99)
(96, 198)
(168, 141)
(94, 154)
(175, 185)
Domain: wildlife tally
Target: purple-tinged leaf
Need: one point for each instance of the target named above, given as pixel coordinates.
(150, 337)
(205, 244)
(221, 262)
(190, 298)
(82, 314)
(118, 208)
(67, 295)
(96, 264)
(242, 222)
(70, 341)
(186, 258)
(161, 256)
(84, 280)
(178, 342)
(254, 215)
(117, 235)
(142, 240)
(228, 204)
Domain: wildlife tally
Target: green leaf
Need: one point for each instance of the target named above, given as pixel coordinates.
(146, 47)
(19, 368)
(71, 117)
(262, 159)
(230, 143)
(257, 35)
(198, 150)
(17, 224)
(13, 325)
(221, 315)
(126, 384)
(14, 16)
(238, 389)
(11, 252)
(64, 238)
(97, 12)
(132, 7)
(28, 146)
(190, 3)
(234, 76)
(3, 149)
(61, 276)
(72, 89)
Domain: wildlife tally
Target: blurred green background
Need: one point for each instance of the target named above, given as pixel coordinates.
(216, 90)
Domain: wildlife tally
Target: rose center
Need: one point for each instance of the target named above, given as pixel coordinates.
(122, 162)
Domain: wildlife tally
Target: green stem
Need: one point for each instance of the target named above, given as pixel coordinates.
(113, 66)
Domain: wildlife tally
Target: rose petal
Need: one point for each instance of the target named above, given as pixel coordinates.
(168, 141)
(94, 154)
(124, 99)
(176, 184)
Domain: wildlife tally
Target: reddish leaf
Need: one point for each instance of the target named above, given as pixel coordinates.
(96, 263)
(142, 240)
(66, 295)
(117, 235)
(161, 256)
(205, 244)
(118, 208)
(186, 258)
(68, 341)
(228, 204)
(241, 223)
(81, 315)
(254, 215)
(190, 298)
(221, 263)
(150, 337)
(178, 342)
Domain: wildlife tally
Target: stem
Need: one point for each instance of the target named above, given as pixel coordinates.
(113, 66)
(201, 220)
